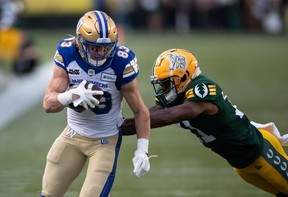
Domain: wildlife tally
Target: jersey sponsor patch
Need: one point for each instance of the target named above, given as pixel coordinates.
(108, 77)
(75, 72)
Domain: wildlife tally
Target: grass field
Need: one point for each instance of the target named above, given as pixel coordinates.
(252, 70)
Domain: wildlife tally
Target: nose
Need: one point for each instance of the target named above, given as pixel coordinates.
(97, 50)
(101, 50)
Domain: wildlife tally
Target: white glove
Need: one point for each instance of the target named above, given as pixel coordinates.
(141, 162)
(85, 96)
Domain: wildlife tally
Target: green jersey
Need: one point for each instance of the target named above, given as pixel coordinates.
(229, 132)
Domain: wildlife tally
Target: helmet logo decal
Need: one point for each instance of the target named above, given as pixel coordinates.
(177, 61)
(201, 90)
(103, 26)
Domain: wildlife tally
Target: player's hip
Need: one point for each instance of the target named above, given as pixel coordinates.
(272, 157)
(89, 145)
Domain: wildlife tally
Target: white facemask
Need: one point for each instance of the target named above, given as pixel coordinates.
(171, 96)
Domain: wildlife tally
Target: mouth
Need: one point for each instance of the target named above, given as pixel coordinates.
(97, 58)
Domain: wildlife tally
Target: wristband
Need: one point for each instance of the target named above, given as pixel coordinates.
(142, 144)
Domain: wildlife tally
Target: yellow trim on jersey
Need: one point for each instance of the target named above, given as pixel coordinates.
(127, 70)
(189, 94)
(212, 90)
(59, 57)
(156, 99)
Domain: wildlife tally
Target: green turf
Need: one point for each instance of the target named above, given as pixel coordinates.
(252, 71)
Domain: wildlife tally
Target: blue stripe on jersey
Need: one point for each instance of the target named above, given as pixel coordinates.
(109, 183)
(102, 24)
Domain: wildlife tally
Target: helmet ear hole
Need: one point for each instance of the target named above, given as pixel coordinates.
(184, 78)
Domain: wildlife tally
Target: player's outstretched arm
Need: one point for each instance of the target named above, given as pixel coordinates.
(128, 127)
(160, 116)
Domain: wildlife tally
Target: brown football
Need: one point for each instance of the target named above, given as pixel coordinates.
(89, 86)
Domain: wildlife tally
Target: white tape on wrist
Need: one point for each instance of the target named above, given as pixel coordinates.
(65, 98)
(143, 144)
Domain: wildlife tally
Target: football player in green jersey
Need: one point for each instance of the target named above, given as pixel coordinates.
(186, 97)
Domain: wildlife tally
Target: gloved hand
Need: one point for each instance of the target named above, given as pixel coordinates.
(85, 99)
(141, 162)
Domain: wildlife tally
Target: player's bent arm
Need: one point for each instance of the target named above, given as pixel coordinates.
(141, 113)
(57, 84)
(142, 123)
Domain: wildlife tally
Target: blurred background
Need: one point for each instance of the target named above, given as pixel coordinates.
(156, 15)
(241, 44)
(18, 17)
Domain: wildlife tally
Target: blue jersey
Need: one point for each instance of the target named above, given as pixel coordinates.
(103, 120)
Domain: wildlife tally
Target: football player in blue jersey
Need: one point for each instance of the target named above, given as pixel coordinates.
(93, 134)
(186, 97)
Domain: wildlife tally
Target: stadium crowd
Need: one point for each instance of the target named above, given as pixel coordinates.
(181, 16)
(186, 15)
